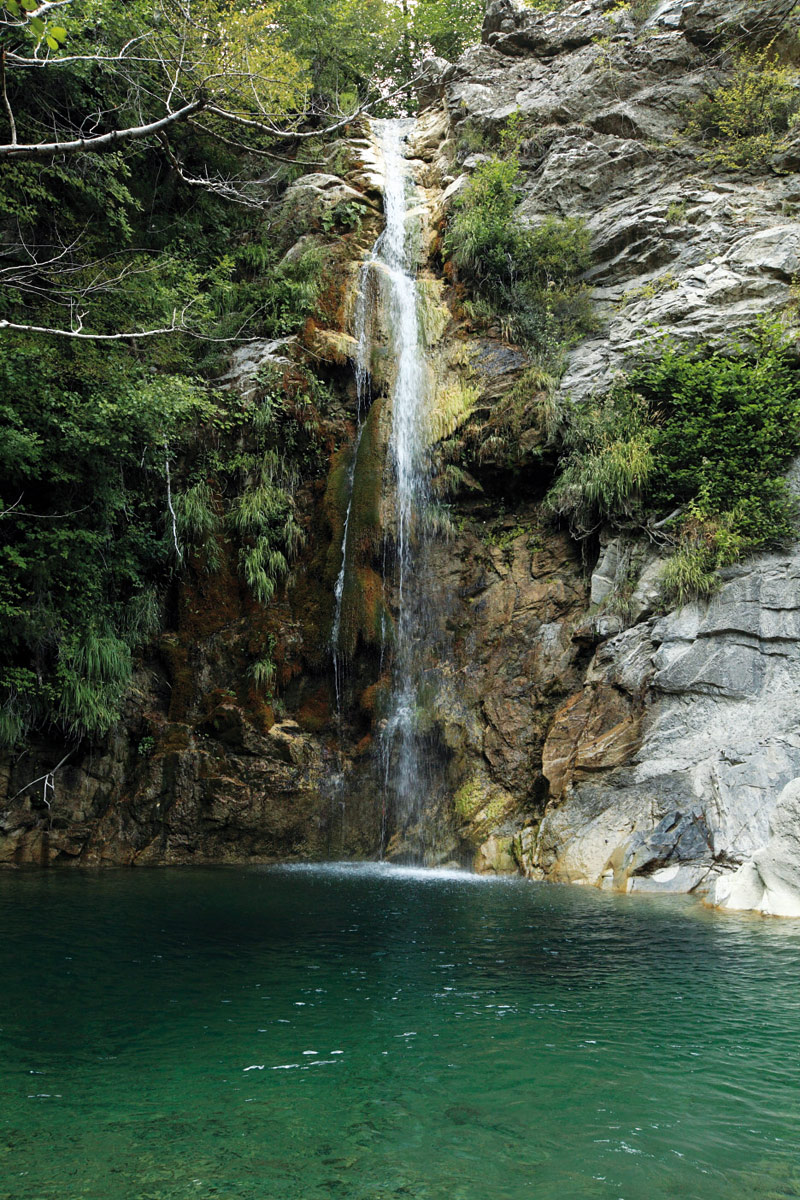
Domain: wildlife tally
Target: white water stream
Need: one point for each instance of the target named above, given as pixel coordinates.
(411, 468)
(393, 258)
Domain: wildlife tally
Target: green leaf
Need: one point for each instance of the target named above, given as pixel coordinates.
(29, 5)
(58, 32)
(52, 43)
(37, 25)
(12, 7)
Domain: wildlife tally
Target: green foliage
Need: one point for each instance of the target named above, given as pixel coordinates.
(446, 26)
(262, 671)
(528, 279)
(346, 215)
(85, 536)
(743, 121)
(198, 522)
(285, 443)
(87, 555)
(639, 10)
(704, 544)
(608, 461)
(706, 434)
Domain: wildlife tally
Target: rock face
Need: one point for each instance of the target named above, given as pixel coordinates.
(672, 766)
(769, 883)
(676, 248)
(694, 771)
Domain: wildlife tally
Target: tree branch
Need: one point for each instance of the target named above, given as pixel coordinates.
(66, 60)
(93, 337)
(227, 188)
(286, 134)
(6, 100)
(104, 141)
(26, 17)
(219, 137)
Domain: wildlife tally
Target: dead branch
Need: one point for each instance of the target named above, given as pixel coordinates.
(104, 141)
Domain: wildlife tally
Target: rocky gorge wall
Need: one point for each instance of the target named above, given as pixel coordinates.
(674, 764)
(579, 739)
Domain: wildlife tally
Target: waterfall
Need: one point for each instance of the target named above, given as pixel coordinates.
(392, 264)
(403, 769)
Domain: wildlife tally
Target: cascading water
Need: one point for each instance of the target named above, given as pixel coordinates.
(392, 265)
(403, 771)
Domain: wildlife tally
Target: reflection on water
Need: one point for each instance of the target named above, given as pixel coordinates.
(377, 1032)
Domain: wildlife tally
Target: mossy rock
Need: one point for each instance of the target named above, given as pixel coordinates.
(434, 315)
(496, 857)
(482, 804)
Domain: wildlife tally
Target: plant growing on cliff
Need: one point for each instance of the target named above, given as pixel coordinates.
(607, 462)
(702, 437)
(526, 278)
(743, 120)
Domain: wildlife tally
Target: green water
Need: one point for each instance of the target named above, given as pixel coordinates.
(373, 1033)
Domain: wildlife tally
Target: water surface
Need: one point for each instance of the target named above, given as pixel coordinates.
(374, 1033)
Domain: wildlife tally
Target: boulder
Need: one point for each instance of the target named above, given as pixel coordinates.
(769, 882)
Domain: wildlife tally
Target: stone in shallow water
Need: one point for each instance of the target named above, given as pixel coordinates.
(678, 878)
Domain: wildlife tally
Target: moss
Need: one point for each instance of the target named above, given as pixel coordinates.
(434, 315)
(364, 746)
(495, 810)
(365, 512)
(334, 506)
(315, 712)
(181, 676)
(453, 404)
(373, 699)
(481, 803)
(469, 797)
(364, 616)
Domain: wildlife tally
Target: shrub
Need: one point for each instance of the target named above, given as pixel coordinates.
(729, 425)
(528, 279)
(704, 543)
(608, 462)
(708, 434)
(743, 120)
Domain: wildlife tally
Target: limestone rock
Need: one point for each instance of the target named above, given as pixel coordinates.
(496, 857)
(675, 248)
(719, 706)
(312, 197)
(769, 882)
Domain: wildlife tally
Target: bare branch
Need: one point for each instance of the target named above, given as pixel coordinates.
(104, 141)
(301, 162)
(94, 337)
(65, 60)
(134, 334)
(6, 511)
(26, 17)
(6, 100)
(227, 188)
(170, 504)
(49, 781)
(289, 135)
